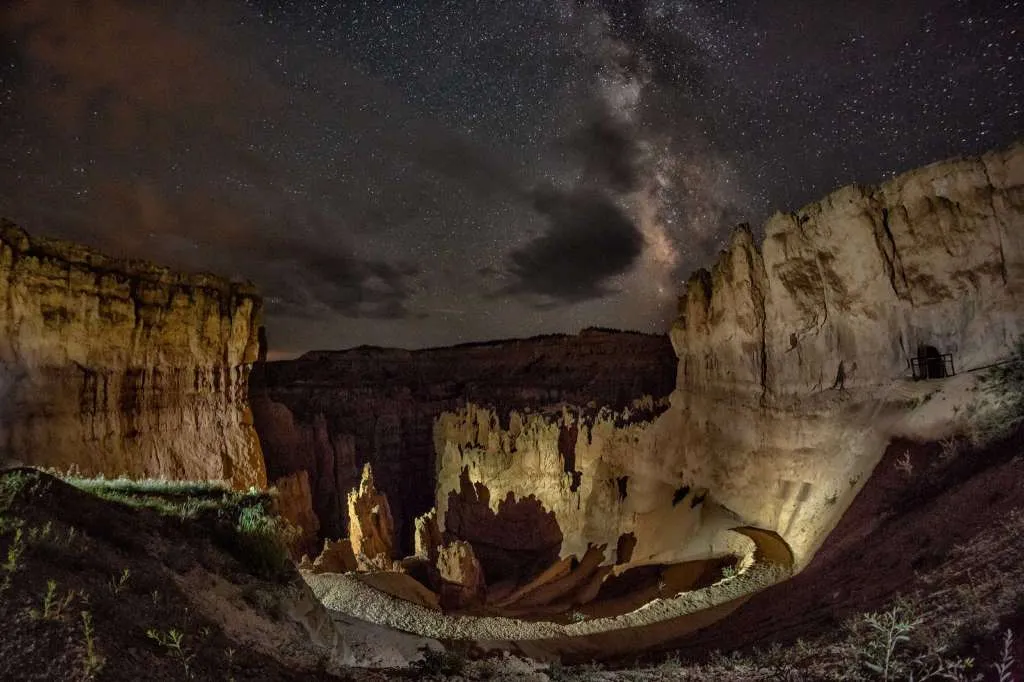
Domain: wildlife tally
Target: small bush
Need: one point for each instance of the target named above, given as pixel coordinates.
(1004, 667)
(93, 662)
(882, 645)
(53, 605)
(262, 540)
(118, 583)
(1005, 384)
(16, 483)
(173, 642)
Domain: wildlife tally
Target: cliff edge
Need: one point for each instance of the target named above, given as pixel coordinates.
(122, 367)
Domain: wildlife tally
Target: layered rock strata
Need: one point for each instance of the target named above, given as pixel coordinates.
(329, 413)
(122, 367)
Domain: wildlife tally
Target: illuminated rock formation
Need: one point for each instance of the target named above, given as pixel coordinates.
(427, 537)
(371, 530)
(295, 505)
(331, 412)
(462, 578)
(336, 557)
(121, 367)
(863, 279)
(793, 359)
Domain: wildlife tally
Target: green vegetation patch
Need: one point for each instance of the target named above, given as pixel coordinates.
(244, 522)
(1003, 387)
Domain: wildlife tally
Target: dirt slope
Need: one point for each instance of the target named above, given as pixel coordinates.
(134, 571)
(947, 531)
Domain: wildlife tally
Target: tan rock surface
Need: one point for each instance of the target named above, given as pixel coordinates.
(122, 367)
(793, 374)
(295, 505)
(462, 577)
(335, 557)
(371, 530)
(427, 538)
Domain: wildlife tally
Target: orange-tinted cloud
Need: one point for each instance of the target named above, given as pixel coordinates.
(130, 67)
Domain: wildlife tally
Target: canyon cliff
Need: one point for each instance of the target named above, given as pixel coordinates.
(796, 367)
(329, 413)
(121, 367)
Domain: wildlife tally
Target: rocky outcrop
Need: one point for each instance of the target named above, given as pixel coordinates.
(794, 369)
(336, 557)
(122, 367)
(461, 576)
(294, 503)
(427, 537)
(371, 527)
(329, 413)
(846, 291)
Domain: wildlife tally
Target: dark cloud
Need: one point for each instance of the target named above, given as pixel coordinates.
(310, 282)
(305, 267)
(611, 153)
(589, 241)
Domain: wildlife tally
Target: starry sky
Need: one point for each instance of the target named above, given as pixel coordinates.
(425, 173)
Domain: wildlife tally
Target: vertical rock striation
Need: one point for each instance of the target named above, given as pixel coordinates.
(122, 367)
(863, 279)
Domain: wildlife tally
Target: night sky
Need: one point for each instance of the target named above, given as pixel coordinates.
(425, 173)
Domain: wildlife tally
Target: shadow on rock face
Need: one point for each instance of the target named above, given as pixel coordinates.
(512, 544)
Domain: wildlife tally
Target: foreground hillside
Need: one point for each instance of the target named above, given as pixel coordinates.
(191, 582)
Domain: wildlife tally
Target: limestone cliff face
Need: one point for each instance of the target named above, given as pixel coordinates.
(793, 374)
(329, 413)
(121, 367)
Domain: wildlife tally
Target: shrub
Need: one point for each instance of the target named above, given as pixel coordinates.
(93, 662)
(882, 644)
(262, 540)
(1005, 384)
(173, 642)
(53, 606)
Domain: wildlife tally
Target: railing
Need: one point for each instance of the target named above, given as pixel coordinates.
(934, 367)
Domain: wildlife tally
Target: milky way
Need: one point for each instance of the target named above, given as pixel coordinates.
(416, 174)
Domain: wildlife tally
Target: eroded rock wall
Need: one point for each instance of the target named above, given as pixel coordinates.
(863, 279)
(331, 412)
(793, 373)
(122, 367)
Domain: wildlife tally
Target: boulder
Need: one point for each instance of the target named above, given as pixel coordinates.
(462, 577)
(336, 557)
